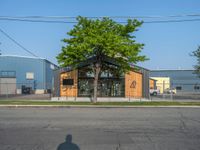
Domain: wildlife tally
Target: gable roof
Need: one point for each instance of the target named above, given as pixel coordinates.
(92, 60)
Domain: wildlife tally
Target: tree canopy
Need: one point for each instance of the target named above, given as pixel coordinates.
(98, 37)
(197, 66)
(102, 38)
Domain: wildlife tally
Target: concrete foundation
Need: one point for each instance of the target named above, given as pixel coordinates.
(99, 99)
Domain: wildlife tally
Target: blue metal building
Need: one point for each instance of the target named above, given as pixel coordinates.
(182, 80)
(35, 73)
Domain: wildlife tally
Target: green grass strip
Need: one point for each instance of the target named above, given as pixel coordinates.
(62, 103)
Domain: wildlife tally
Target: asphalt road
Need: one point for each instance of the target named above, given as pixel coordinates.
(100, 129)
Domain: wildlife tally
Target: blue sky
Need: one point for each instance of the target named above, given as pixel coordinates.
(166, 45)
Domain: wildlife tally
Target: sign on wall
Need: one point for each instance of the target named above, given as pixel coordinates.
(30, 75)
(52, 66)
(133, 84)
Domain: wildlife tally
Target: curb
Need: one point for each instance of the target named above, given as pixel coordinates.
(89, 106)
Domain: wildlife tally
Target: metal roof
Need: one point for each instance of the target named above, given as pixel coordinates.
(29, 57)
(21, 56)
(92, 60)
(160, 70)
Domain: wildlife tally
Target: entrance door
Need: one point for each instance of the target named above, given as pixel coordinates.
(115, 88)
(111, 88)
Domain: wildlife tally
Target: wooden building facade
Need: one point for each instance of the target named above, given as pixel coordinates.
(79, 83)
(152, 83)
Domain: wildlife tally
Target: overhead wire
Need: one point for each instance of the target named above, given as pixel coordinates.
(119, 19)
(74, 22)
(29, 20)
(54, 19)
(73, 17)
(17, 43)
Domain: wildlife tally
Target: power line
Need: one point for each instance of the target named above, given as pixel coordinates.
(8, 36)
(119, 17)
(172, 21)
(44, 21)
(74, 22)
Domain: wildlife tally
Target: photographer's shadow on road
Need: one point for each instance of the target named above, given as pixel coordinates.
(68, 145)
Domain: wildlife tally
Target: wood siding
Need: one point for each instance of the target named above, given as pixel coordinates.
(133, 84)
(152, 84)
(69, 90)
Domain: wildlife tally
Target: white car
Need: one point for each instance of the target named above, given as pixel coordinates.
(154, 92)
(170, 91)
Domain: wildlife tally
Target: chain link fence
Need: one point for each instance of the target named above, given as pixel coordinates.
(35, 91)
(175, 92)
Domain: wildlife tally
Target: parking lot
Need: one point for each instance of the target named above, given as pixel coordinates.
(189, 96)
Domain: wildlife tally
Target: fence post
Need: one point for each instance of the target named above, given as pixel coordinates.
(171, 95)
(150, 97)
(6, 90)
(163, 95)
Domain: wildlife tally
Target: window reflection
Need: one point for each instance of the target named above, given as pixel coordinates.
(110, 83)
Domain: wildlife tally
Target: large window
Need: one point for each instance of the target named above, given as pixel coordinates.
(7, 74)
(85, 87)
(111, 87)
(110, 84)
(178, 88)
(196, 87)
(68, 82)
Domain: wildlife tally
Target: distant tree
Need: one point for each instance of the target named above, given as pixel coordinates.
(197, 66)
(100, 38)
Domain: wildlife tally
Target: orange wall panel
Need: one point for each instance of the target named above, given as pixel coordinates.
(151, 84)
(133, 84)
(69, 90)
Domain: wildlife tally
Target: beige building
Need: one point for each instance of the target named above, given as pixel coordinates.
(162, 83)
(7, 86)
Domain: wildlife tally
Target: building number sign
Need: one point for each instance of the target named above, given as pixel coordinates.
(133, 84)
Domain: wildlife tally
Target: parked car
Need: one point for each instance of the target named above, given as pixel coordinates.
(170, 91)
(154, 92)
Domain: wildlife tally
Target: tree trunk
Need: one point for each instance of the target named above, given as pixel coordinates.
(96, 78)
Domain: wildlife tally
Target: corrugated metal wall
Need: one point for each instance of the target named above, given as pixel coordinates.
(186, 79)
(145, 83)
(49, 74)
(41, 69)
(56, 90)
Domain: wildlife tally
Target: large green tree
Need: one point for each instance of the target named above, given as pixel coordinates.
(197, 66)
(100, 38)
